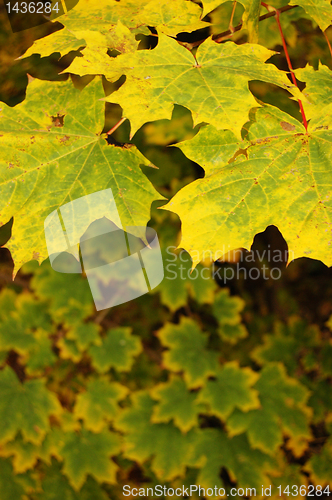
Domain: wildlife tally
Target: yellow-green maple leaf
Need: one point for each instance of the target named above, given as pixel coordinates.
(283, 178)
(214, 88)
(44, 165)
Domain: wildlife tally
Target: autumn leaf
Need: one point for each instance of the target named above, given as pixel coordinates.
(73, 154)
(282, 178)
(219, 77)
(187, 352)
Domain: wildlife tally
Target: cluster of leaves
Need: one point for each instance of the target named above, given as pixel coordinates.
(88, 406)
(270, 170)
(192, 394)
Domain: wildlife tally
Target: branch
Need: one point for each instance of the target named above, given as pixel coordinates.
(227, 33)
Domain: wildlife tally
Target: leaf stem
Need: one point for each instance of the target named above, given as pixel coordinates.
(328, 42)
(116, 126)
(230, 25)
(290, 67)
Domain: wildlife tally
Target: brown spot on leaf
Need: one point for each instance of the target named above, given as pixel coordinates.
(57, 120)
(287, 126)
(35, 255)
(64, 138)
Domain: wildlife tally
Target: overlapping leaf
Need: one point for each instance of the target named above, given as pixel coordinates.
(232, 388)
(55, 486)
(282, 410)
(319, 10)
(98, 404)
(211, 86)
(214, 450)
(169, 447)
(187, 352)
(25, 407)
(117, 350)
(74, 155)
(284, 178)
(177, 403)
(288, 344)
(86, 453)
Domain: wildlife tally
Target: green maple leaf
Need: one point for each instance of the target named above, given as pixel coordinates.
(70, 307)
(214, 450)
(25, 407)
(77, 157)
(24, 453)
(179, 282)
(55, 486)
(117, 350)
(40, 354)
(187, 352)
(69, 350)
(319, 10)
(226, 308)
(284, 178)
(231, 389)
(98, 404)
(319, 466)
(177, 403)
(288, 344)
(7, 303)
(283, 410)
(10, 483)
(169, 447)
(85, 334)
(85, 452)
(167, 75)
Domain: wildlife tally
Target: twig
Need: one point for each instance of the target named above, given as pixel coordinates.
(290, 67)
(220, 36)
(116, 126)
(328, 42)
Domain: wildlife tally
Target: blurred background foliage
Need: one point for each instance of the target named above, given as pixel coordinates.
(79, 386)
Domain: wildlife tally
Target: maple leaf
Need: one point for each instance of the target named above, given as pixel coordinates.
(84, 335)
(177, 403)
(86, 453)
(55, 486)
(24, 453)
(25, 407)
(10, 483)
(319, 10)
(284, 178)
(76, 156)
(214, 450)
(282, 410)
(70, 307)
(169, 447)
(288, 344)
(179, 283)
(98, 404)
(318, 90)
(210, 86)
(319, 466)
(173, 18)
(187, 351)
(94, 58)
(117, 350)
(231, 389)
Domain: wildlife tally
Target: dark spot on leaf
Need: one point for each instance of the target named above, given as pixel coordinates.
(57, 120)
(35, 255)
(287, 126)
